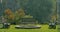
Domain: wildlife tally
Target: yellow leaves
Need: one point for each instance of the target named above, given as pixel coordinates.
(11, 17)
(21, 12)
(8, 12)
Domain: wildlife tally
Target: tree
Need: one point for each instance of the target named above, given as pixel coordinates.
(18, 15)
(8, 12)
(11, 17)
(21, 13)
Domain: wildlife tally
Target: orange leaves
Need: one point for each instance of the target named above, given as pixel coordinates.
(8, 12)
(11, 15)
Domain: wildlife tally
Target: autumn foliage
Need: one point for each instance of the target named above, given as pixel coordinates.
(8, 12)
(10, 15)
(21, 13)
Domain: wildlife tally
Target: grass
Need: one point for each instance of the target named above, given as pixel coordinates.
(43, 29)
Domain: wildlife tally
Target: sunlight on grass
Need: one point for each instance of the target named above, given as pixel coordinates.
(43, 29)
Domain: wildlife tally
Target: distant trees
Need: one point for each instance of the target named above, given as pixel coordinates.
(14, 16)
(39, 9)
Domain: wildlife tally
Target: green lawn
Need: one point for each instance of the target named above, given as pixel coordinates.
(43, 29)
